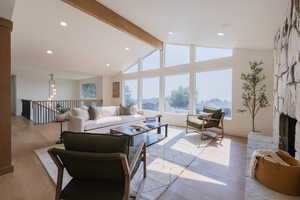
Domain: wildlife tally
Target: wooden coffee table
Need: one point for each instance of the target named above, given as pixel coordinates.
(147, 136)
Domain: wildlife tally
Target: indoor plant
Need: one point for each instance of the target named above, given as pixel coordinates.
(254, 96)
(61, 112)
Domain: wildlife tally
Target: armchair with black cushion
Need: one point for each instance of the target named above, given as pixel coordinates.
(209, 118)
(101, 166)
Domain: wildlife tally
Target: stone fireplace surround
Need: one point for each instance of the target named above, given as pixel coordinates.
(287, 74)
(286, 108)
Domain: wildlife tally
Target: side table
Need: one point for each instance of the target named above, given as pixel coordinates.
(60, 141)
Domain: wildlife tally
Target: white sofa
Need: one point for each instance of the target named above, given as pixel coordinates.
(110, 117)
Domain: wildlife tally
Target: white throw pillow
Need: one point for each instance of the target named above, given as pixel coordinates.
(81, 113)
(133, 109)
(97, 112)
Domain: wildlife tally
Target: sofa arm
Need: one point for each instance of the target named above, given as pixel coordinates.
(76, 124)
(140, 112)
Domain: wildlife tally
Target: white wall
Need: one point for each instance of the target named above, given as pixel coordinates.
(36, 88)
(239, 125)
(6, 8)
(107, 90)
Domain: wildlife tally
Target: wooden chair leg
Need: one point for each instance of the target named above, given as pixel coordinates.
(222, 129)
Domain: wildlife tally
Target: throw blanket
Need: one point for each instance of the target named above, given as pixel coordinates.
(267, 155)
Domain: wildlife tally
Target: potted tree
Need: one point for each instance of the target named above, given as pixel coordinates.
(61, 112)
(254, 96)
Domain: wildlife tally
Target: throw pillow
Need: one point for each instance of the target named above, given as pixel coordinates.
(125, 110)
(217, 113)
(81, 113)
(92, 113)
(133, 109)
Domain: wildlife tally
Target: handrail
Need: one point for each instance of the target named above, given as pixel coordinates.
(45, 111)
(59, 100)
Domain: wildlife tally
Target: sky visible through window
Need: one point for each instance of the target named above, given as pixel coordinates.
(152, 61)
(150, 94)
(214, 89)
(132, 69)
(203, 54)
(177, 55)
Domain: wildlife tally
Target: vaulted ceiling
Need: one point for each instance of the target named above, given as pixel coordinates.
(86, 45)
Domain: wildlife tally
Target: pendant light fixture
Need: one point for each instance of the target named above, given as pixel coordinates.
(52, 89)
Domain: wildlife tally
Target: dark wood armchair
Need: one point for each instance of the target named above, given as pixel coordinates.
(209, 118)
(101, 166)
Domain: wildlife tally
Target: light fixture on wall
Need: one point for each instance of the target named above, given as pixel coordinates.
(63, 24)
(52, 89)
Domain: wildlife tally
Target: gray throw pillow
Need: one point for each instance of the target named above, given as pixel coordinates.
(92, 113)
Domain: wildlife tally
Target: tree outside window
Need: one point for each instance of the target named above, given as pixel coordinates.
(130, 92)
(177, 93)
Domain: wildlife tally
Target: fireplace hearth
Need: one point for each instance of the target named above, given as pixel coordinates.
(287, 132)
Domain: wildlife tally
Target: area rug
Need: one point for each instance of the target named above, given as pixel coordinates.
(166, 160)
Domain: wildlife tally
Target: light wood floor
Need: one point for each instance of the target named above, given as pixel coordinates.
(217, 173)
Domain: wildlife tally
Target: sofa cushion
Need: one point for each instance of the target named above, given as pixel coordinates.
(111, 121)
(108, 111)
(87, 189)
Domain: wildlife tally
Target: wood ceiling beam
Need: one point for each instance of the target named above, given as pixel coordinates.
(104, 14)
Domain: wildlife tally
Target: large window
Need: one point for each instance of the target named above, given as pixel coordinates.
(130, 92)
(177, 55)
(152, 61)
(150, 94)
(134, 68)
(214, 89)
(203, 54)
(177, 93)
(88, 90)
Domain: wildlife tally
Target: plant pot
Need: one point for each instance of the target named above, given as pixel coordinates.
(61, 117)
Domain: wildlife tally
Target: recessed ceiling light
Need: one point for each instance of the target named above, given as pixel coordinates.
(107, 65)
(64, 24)
(171, 33)
(127, 49)
(49, 52)
(221, 34)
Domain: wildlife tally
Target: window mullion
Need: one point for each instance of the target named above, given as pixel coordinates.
(139, 93)
(192, 93)
(192, 53)
(162, 94)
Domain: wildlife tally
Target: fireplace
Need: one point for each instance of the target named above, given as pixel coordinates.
(287, 132)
